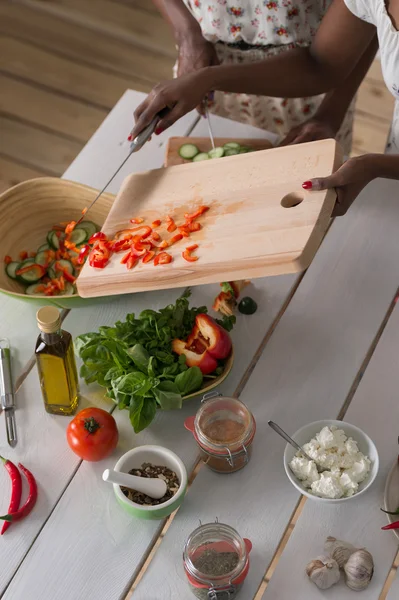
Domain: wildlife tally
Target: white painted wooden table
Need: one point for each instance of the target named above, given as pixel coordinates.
(298, 359)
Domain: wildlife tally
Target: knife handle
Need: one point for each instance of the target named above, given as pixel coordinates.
(147, 132)
(6, 385)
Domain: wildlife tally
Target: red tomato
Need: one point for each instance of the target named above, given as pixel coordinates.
(92, 434)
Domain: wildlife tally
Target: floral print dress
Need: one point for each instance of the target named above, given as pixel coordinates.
(267, 27)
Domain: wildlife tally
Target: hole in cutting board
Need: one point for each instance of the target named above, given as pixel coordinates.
(292, 199)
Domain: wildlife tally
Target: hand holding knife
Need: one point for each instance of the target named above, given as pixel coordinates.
(7, 393)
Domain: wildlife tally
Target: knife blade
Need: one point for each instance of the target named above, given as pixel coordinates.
(7, 393)
(135, 145)
(209, 126)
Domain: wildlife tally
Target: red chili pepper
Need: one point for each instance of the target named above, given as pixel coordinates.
(83, 253)
(99, 235)
(23, 255)
(156, 223)
(170, 224)
(16, 490)
(149, 256)
(394, 525)
(138, 220)
(162, 259)
(30, 501)
(187, 253)
(7, 260)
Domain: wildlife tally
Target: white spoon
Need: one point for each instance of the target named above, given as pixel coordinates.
(152, 487)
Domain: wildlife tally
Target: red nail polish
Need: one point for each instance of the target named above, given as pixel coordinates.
(158, 130)
(307, 185)
(129, 138)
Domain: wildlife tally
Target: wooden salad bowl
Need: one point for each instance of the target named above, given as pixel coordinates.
(28, 212)
(172, 156)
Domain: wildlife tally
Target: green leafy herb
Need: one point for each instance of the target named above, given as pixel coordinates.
(227, 289)
(135, 362)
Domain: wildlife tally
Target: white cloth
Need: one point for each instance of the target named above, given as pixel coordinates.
(375, 12)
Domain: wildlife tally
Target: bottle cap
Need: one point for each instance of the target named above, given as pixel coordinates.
(49, 319)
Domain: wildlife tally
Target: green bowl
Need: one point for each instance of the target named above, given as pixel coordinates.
(156, 455)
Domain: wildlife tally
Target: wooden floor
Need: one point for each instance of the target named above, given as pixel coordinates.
(65, 63)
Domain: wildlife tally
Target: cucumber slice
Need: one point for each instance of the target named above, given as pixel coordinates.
(89, 226)
(78, 236)
(216, 153)
(32, 290)
(201, 156)
(69, 289)
(43, 247)
(11, 268)
(43, 259)
(54, 240)
(66, 265)
(231, 152)
(188, 151)
(51, 272)
(32, 276)
(243, 150)
(234, 145)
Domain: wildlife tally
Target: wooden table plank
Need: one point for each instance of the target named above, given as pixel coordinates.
(36, 148)
(75, 80)
(126, 23)
(46, 109)
(81, 44)
(303, 375)
(119, 543)
(358, 521)
(393, 593)
(12, 173)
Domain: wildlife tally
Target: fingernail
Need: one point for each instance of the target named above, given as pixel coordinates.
(129, 138)
(158, 130)
(307, 185)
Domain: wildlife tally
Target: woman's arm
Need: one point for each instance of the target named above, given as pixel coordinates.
(181, 21)
(328, 118)
(340, 42)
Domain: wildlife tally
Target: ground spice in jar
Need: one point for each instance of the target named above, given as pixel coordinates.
(224, 430)
(214, 563)
(151, 471)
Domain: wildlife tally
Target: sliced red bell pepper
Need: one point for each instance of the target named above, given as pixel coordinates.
(175, 238)
(156, 223)
(7, 260)
(23, 255)
(201, 210)
(83, 253)
(170, 224)
(131, 261)
(137, 220)
(39, 270)
(207, 343)
(99, 235)
(186, 254)
(148, 256)
(163, 258)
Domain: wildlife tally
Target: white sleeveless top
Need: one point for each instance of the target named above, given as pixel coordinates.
(375, 12)
(259, 22)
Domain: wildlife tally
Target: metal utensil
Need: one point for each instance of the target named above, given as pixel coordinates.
(7, 392)
(151, 486)
(293, 443)
(136, 145)
(206, 111)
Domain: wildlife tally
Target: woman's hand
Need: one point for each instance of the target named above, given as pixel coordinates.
(179, 96)
(348, 182)
(316, 128)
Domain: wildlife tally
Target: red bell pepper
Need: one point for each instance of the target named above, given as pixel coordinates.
(207, 343)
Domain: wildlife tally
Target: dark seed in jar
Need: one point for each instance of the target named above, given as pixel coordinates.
(152, 471)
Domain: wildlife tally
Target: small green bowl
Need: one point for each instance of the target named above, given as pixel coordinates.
(159, 456)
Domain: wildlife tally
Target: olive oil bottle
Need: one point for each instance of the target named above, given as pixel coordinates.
(56, 364)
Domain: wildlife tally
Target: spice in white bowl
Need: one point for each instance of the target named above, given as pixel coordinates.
(345, 466)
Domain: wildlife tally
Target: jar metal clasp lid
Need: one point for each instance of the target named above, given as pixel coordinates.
(225, 594)
(210, 395)
(230, 458)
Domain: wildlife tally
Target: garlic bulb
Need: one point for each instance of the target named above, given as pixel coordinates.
(359, 570)
(339, 550)
(324, 572)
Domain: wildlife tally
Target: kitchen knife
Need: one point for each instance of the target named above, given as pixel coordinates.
(136, 145)
(206, 110)
(7, 393)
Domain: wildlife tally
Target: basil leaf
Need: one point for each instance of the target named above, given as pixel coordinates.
(168, 395)
(189, 381)
(140, 357)
(142, 412)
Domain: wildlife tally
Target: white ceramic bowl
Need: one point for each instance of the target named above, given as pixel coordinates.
(159, 456)
(306, 433)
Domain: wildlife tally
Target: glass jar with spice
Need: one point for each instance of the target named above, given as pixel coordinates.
(224, 429)
(216, 561)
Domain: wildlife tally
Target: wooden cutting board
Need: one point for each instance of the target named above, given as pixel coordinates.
(172, 156)
(261, 222)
